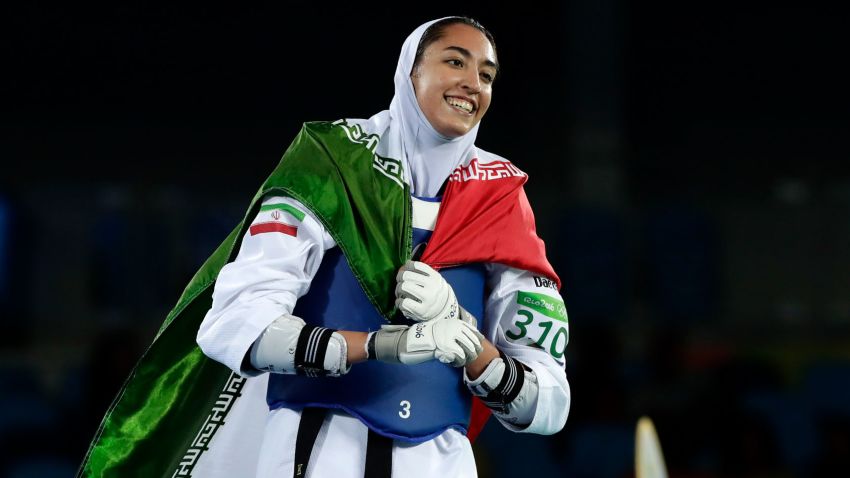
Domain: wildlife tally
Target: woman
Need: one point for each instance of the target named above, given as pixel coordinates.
(317, 275)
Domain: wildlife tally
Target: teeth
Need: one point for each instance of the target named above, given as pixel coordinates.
(457, 102)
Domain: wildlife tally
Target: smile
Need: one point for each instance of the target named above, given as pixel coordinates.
(460, 104)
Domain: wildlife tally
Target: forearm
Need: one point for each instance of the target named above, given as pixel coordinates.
(526, 320)
(291, 346)
(355, 350)
(474, 369)
(356, 345)
(508, 387)
(356, 342)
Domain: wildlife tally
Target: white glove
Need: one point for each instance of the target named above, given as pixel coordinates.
(448, 340)
(422, 294)
(281, 349)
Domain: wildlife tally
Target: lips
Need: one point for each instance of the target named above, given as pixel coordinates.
(462, 104)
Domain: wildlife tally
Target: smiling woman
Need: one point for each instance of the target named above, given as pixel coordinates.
(327, 319)
(453, 77)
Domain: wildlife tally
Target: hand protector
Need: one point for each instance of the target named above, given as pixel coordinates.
(507, 387)
(290, 346)
(422, 294)
(448, 340)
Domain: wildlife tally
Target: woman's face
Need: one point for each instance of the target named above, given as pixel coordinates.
(454, 80)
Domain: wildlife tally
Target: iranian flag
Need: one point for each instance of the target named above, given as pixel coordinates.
(180, 414)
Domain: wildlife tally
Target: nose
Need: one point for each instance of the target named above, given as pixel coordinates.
(471, 80)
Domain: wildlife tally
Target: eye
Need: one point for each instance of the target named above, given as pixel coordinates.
(488, 78)
(455, 62)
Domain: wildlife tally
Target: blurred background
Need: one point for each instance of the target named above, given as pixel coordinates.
(688, 168)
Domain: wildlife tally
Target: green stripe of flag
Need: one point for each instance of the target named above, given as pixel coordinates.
(546, 305)
(285, 208)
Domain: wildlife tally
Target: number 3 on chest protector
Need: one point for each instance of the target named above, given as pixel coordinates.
(405, 409)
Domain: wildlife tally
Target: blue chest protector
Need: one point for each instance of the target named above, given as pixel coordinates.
(413, 403)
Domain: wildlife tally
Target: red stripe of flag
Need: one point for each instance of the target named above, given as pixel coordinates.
(263, 227)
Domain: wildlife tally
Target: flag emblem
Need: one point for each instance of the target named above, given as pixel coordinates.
(264, 227)
(275, 212)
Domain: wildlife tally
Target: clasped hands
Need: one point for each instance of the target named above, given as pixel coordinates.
(444, 330)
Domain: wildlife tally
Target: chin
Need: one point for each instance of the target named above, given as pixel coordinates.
(453, 131)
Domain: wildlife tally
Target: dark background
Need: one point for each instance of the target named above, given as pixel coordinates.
(688, 169)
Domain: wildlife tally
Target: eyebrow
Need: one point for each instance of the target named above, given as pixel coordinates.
(467, 54)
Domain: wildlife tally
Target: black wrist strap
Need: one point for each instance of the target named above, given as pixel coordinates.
(509, 387)
(311, 349)
(370, 347)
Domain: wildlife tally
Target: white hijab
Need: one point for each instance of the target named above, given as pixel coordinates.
(427, 156)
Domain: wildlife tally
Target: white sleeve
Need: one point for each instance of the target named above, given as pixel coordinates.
(279, 255)
(526, 319)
